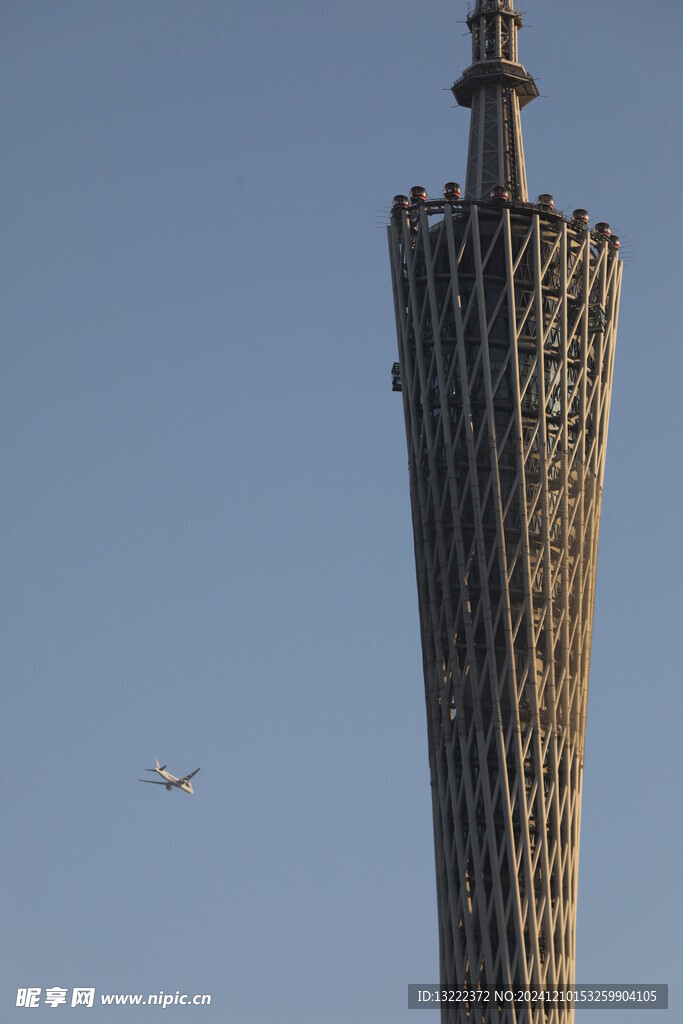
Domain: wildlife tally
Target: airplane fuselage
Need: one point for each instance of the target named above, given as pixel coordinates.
(174, 783)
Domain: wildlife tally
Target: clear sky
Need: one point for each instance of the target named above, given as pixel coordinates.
(205, 537)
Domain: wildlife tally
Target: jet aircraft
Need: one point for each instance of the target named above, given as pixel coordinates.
(170, 781)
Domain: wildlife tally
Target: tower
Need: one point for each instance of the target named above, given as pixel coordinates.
(506, 317)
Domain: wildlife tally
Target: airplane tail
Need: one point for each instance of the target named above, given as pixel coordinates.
(159, 767)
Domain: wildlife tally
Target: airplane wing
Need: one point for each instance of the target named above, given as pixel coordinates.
(152, 782)
(190, 776)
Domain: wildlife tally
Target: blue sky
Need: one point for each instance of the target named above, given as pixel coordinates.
(205, 528)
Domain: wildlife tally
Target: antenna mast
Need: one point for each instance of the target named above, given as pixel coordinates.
(495, 87)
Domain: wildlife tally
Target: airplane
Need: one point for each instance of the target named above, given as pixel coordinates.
(170, 781)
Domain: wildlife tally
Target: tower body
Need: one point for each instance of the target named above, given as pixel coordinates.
(506, 316)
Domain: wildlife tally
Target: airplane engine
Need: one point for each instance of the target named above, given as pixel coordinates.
(169, 788)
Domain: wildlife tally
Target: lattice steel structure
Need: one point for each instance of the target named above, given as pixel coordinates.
(506, 316)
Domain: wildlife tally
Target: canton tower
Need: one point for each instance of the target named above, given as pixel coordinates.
(506, 317)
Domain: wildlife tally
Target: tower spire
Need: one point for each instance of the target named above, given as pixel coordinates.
(495, 87)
